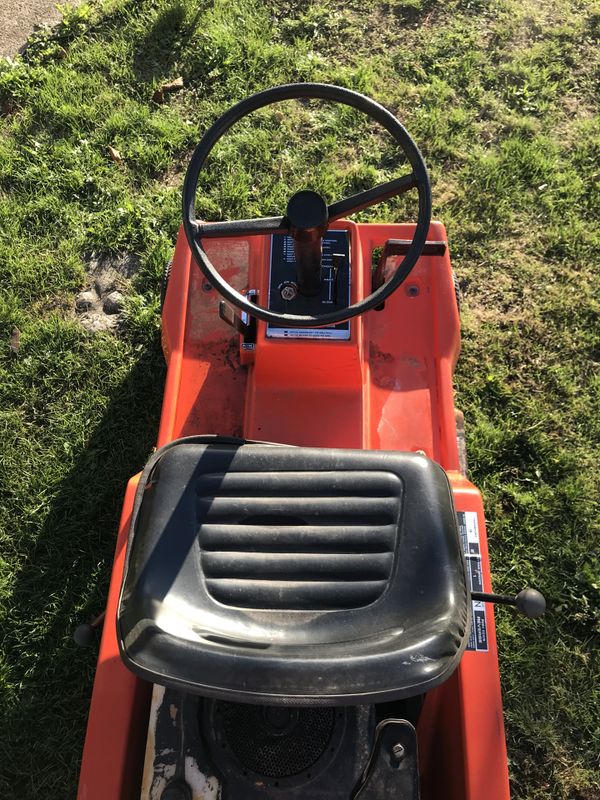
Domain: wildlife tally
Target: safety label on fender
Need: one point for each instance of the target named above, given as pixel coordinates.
(469, 534)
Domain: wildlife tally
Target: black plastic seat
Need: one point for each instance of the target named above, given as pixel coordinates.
(276, 574)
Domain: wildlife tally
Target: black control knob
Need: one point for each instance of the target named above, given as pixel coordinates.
(176, 790)
(531, 603)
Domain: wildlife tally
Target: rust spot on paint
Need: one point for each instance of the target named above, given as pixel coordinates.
(383, 368)
(389, 371)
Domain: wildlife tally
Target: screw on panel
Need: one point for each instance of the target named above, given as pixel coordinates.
(398, 751)
(412, 290)
(207, 287)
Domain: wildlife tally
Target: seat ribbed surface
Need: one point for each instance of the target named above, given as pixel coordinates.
(293, 575)
(309, 541)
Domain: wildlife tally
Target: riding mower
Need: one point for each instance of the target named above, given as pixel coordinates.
(298, 604)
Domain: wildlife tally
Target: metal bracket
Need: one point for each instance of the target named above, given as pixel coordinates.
(244, 324)
(393, 769)
(400, 247)
(229, 316)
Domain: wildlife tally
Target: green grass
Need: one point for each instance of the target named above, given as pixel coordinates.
(500, 96)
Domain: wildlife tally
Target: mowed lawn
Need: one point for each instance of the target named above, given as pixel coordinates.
(501, 96)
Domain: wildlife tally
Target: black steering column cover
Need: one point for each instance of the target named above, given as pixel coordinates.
(277, 574)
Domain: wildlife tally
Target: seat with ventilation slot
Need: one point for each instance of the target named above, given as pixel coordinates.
(278, 574)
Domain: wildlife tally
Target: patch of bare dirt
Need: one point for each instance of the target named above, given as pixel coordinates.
(99, 307)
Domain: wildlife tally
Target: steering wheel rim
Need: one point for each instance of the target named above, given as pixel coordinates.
(196, 230)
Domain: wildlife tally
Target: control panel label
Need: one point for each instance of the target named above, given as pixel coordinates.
(469, 534)
(334, 295)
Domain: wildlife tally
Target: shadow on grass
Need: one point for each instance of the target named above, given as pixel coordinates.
(64, 582)
(163, 45)
(411, 12)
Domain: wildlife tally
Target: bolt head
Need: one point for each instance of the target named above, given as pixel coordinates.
(398, 751)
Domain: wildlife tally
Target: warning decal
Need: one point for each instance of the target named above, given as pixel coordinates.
(469, 534)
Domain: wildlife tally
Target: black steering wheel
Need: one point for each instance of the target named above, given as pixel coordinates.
(196, 231)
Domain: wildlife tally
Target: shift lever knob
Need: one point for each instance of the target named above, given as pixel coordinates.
(531, 603)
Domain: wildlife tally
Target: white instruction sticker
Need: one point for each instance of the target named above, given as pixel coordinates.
(469, 534)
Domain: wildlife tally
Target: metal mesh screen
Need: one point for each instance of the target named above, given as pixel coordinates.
(276, 742)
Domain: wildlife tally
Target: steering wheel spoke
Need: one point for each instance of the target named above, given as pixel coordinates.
(241, 227)
(379, 193)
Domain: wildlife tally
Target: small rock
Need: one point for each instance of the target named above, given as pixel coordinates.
(15, 341)
(84, 301)
(113, 303)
